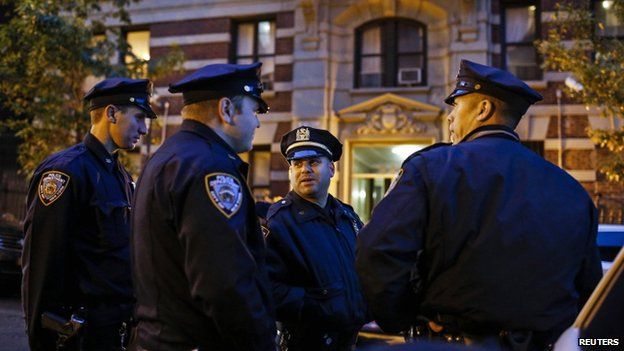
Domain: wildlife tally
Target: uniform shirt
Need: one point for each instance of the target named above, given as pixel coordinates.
(198, 250)
(485, 230)
(77, 234)
(311, 264)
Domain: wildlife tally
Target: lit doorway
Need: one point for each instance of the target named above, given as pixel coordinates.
(371, 168)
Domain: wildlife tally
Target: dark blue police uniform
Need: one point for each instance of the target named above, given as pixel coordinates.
(319, 303)
(482, 237)
(77, 230)
(198, 250)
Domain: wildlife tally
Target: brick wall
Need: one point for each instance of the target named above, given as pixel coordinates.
(579, 159)
(281, 101)
(284, 73)
(203, 51)
(573, 159)
(278, 164)
(574, 126)
(190, 27)
(549, 5)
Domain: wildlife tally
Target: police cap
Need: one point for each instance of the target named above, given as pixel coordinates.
(306, 142)
(221, 80)
(473, 77)
(121, 91)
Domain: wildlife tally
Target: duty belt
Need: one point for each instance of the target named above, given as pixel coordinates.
(455, 330)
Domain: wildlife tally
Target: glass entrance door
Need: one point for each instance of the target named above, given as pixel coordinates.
(373, 167)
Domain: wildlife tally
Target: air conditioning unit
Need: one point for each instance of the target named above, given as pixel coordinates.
(410, 76)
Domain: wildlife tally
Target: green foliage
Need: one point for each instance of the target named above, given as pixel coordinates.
(47, 51)
(577, 43)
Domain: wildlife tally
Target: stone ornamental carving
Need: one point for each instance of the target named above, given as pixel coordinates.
(391, 119)
(310, 40)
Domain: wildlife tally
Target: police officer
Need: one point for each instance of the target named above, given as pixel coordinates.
(199, 253)
(481, 241)
(76, 251)
(311, 243)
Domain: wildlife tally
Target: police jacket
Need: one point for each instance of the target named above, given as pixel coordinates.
(77, 236)
(486, 231)
(311, 265)
(198, 250)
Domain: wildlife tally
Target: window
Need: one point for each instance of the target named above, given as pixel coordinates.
(391, 53)
(605, 15)
(521, 25)
(255, 41)
(138, 42)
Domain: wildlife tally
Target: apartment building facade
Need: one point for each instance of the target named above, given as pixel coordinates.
(373, 72)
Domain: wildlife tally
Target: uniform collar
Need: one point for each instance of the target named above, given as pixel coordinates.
(305, 210)
(97, 148)
(494, 130)
(207, 133)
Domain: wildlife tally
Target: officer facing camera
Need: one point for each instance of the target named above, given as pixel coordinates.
(77, 228)
(199, 254)
(481, 242)
(311, 243)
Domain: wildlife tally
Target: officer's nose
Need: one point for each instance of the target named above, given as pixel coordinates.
(307, 167)
(142, 126)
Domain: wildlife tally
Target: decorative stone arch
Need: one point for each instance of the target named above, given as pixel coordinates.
(367, 10)
(390, 115)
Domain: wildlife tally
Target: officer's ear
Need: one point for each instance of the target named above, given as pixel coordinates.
(332, 168)
(486, 110)
(110, 112)
(226, 110)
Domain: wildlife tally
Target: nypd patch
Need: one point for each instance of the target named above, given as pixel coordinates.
(225, 192)
(51, 186)
(394, 182)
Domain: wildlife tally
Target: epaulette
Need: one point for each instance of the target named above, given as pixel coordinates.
(283, 203)
(62, 159)
(345, 205)
(356, 222)
(428, 148)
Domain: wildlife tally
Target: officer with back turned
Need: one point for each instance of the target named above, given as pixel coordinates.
(483, 241)
(76, 251)
(199, 253)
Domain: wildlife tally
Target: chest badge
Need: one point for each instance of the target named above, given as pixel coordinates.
(225, 192)
(51, 186)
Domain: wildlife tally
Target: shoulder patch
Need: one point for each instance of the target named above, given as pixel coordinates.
(394, 181)
(51, 186)
(225, 192)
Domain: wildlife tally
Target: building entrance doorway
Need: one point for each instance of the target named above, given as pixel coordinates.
(372, 167)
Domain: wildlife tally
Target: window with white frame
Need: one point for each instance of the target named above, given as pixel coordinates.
(138, 48)
(255, 41)
(391, 52)
(521, 24)
(610, 24)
